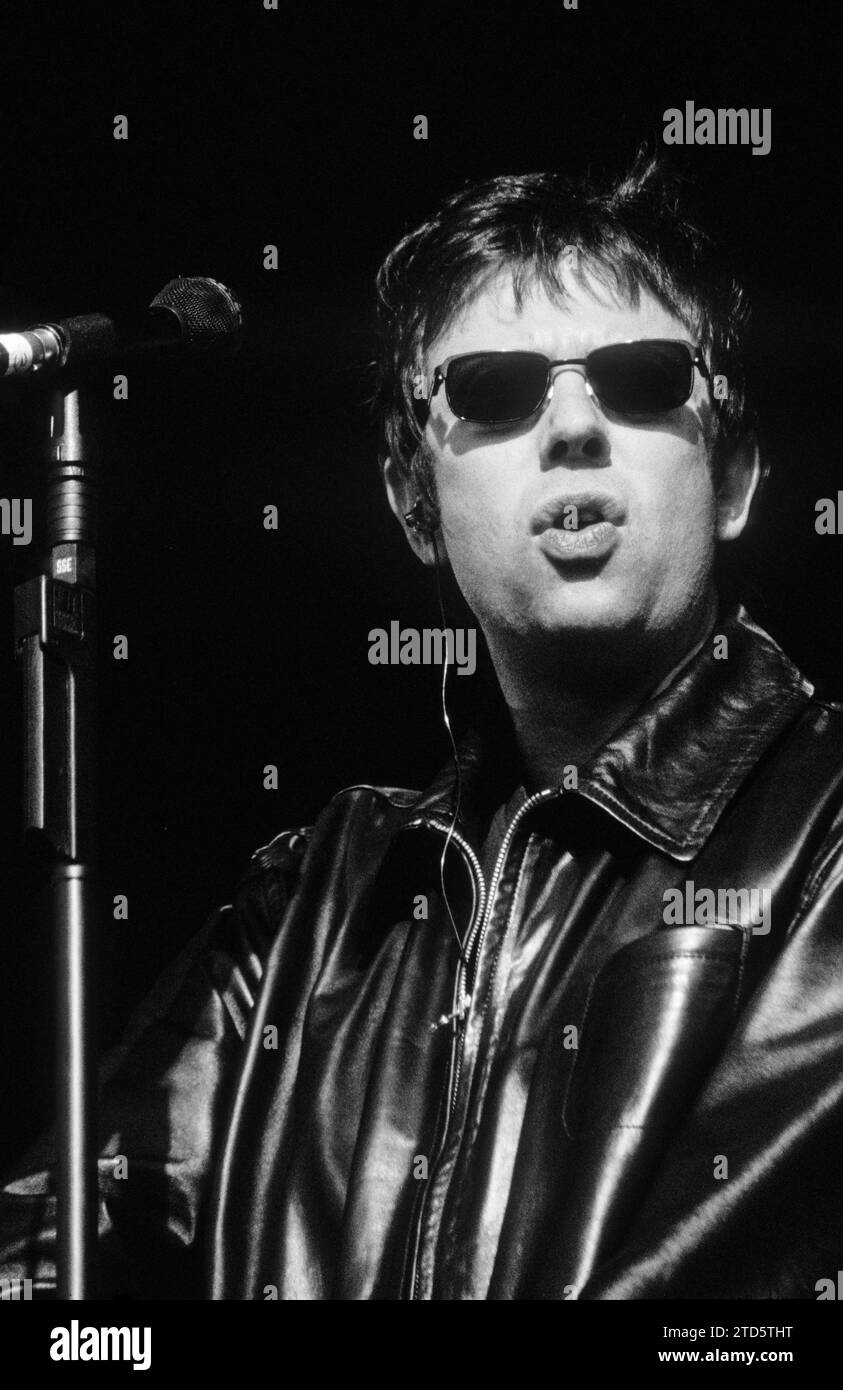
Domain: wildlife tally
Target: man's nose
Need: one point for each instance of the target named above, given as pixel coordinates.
(572, 424)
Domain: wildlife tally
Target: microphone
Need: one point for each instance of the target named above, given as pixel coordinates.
(194, 313)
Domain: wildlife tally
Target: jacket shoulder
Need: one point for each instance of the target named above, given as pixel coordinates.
(283, 852)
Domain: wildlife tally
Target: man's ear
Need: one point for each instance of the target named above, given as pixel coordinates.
(738, 486)
(411, 511)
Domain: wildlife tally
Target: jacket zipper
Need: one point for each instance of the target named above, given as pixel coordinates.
(477, 914)
(479, 931)
(473, 949)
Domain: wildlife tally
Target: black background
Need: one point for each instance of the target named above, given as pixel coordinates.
(247, 646)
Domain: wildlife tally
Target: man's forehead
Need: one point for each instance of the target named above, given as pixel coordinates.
(583, 314)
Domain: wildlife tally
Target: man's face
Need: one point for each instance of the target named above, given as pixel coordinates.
(503, 490)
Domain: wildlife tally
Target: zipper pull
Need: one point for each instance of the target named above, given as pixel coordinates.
(453, 1018)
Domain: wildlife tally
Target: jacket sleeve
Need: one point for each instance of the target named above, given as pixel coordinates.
(163, 1094)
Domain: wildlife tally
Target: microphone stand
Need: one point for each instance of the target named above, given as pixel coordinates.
(56, 644)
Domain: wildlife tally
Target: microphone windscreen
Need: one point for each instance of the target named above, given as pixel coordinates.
(90, 337)
(209, 313)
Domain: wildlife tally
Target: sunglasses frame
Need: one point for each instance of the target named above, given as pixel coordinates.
(440, 375)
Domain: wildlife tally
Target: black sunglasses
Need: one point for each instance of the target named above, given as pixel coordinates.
(647, 377)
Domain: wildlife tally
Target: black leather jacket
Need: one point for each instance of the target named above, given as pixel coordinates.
(630, 1109)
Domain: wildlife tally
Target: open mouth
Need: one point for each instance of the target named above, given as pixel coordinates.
(570, 529)
(581, 518)
(575, 517)
(578, 513)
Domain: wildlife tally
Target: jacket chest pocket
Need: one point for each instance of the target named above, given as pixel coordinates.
(657, 1014)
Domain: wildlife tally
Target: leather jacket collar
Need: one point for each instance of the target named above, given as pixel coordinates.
(668, 774)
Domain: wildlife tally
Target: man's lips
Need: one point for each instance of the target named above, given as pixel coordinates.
(579, 526)
(575, 511)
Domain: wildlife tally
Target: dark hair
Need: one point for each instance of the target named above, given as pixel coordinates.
(630, 235)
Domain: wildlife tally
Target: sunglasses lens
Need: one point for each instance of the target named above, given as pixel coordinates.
(645, 378)
(494, 387)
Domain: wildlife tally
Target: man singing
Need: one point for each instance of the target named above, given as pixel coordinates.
(567, 1024)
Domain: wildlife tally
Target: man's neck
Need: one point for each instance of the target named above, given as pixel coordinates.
(561, 722)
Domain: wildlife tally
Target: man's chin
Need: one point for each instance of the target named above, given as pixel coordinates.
(588, 610)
